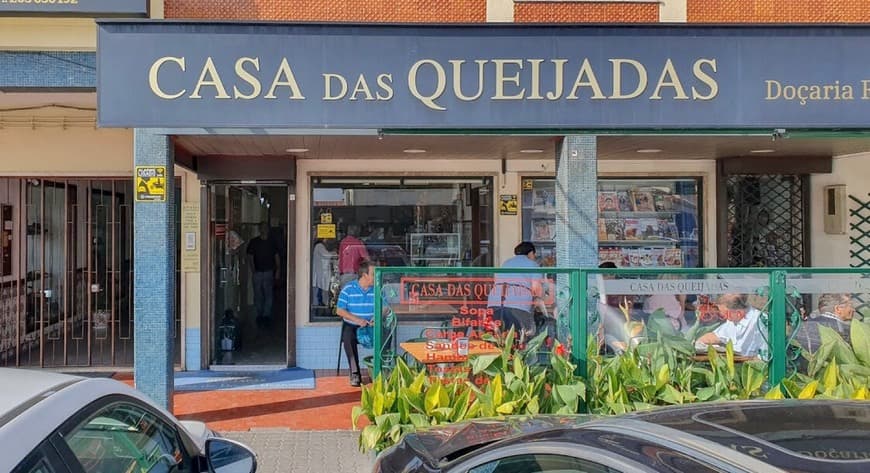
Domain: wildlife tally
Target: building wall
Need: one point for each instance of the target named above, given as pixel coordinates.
(586, 12)
(778, 11)
(854, 172)
(397, 11)
(74, 151)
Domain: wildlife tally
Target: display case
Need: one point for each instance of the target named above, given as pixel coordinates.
(434, 249)
(641, 222)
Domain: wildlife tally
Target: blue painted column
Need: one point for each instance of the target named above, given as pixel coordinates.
(577, 202)
(154, 275)
(577, 231)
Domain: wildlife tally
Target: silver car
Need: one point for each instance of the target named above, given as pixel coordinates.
(56, 423)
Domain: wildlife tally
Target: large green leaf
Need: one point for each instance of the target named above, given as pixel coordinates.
(774, 393)
(432, 400)
(497, 390)
(507, 408)
(659, 324)
(371, 436)
(809, 391)
(566, 394)
(841, 350)
(860, 335)
(663, 376)
(419, 420)
(355, 414)
(483, 362)
(671, 395)
(707, 394)
(387, 420)
(832, 375)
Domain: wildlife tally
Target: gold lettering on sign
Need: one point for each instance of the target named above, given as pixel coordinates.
(248, 77)
(669, 78)
(591, 82)
(866, 85)
(385, 84)
(501, 79)
(535, 88)
(327, 86)
(706, 79)
(559, 83)
(617, 79)
(361, 87)
(285, 78)
(153, 79)
(440, 85)
(214, 80)
(457, 79)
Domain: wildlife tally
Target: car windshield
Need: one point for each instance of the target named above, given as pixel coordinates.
(831, 432)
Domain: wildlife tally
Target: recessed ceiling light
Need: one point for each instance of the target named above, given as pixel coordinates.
(649, 150)
(296, 150)
(531, 151)
(761, 151)
(414, 151)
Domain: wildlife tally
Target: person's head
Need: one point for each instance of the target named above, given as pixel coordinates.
(263, 227)
(837, 304)
(525, 248)
(366, 274)
(733, 306)
(607, 265)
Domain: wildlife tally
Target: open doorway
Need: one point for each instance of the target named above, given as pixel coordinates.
(248, 236)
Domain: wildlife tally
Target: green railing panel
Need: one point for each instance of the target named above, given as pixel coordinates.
(586, 302)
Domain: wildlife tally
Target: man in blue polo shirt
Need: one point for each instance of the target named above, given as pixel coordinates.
(514, 296)
(356, 307)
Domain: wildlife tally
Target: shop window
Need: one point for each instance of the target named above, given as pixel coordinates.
(419, 222)
(641, 222)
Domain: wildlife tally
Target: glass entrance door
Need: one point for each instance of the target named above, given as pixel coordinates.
(248, 252)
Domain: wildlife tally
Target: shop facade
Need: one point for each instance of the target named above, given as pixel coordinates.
(534, 143)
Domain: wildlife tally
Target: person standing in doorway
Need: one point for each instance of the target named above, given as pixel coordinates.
(321, 264)
(351, 252)
(356, 307)
(514, 296)
(265, 262)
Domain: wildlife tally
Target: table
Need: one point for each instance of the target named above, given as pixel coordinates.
(445, 352)
(737, 358)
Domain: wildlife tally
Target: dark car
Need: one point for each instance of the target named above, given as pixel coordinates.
(747, 436)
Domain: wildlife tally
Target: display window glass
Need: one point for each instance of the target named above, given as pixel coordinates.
(642, 223)
(419, 222)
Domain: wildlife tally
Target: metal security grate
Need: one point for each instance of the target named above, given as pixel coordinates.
(859, 243)
(766, 215)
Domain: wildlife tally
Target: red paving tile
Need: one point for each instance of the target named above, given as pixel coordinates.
(327, 407)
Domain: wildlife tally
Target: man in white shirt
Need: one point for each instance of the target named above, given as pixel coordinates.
(741, 326)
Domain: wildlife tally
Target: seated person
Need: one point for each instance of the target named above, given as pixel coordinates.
(835, 312)
(741, 326)
(356, 307)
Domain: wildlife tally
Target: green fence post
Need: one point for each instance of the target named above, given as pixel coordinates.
(776, 330)
(579, 330)
(378, 359)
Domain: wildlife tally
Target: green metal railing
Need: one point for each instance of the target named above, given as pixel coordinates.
(777, 286)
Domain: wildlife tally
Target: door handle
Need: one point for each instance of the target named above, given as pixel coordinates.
(223, 276)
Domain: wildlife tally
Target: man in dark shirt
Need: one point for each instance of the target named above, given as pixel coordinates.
(265, 264)
(835, 312)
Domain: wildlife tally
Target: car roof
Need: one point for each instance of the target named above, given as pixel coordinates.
(786, 434)
(22, 387)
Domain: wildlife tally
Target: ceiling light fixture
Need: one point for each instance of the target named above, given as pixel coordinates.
(762, 151)
(296, 150)
(414, 151)
(531, 151)
(649, 150)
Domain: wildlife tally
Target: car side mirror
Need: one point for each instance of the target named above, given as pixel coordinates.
(228, 456)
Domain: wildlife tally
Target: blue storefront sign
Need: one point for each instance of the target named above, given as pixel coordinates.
(86, 8)
(164, 75)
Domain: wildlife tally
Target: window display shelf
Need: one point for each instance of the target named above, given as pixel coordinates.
(642, 222)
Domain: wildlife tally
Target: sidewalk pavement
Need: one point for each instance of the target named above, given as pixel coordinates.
(286, 451)
(292, 431)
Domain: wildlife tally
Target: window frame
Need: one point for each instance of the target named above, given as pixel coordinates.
(586, 453)
(189, 448)
(46, 452)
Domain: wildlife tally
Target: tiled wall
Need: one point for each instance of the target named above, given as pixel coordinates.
(398, 11)
(585, 12)
(317, 347)
(778, 11)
